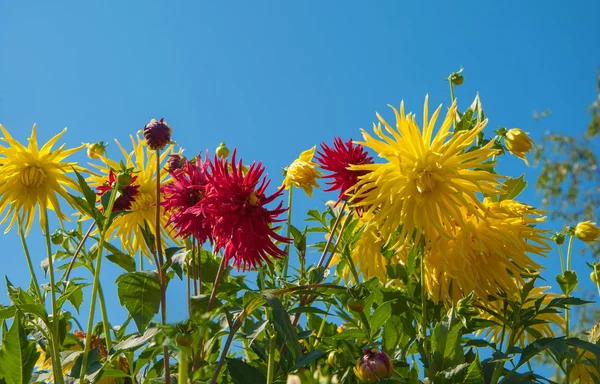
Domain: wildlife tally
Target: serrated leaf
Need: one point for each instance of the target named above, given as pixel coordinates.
(243, 373)
(283, 326)
(18, 355)
(122, 260)
(474, 373)
(379, 317)
(567, 281)
(72, 293)
(139, 293)
(512, 188)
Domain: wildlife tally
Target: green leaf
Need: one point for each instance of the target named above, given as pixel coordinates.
(379, 317)
(299, 239)
(139, 292)
(392, 333)
(135, 341)
(350, 334)
(447, 351)
(73, 293)
(177, 260)
(474, 373)
(243, 373)
(7, 313)
(18, 355)
(308, 358)
(283, 326)
(149, 237)
(88, 193)
(122, 260)
(567, 281)
(512, 188)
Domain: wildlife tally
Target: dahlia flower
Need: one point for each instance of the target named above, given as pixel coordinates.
(303, 173)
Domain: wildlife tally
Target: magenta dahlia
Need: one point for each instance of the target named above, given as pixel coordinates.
(126, 193)
(182, 198)
(237, 206)
(337, 160)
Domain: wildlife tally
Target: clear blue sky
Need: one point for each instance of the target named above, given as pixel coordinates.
(276, 77)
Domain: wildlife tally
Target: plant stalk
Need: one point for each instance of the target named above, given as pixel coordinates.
(271, 364)
(289, 230)
(183, 366)
(36, 285)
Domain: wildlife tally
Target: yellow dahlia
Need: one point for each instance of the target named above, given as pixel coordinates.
(303, 173)
(535, 331)
(487, 252)
(519, 144)
(127, 228)
(33, 176)
(425, 177)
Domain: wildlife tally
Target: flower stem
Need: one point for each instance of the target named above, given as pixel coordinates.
(213, 294)
(183, 366)
(335, 224)
(289, 230)
(161, 273)
(228, 342)
(95, 287)
(567, 309)
(104, 313)
(36, 285)
(562, 260)
(56, 365)
(271, 364)
(424, 302)
(77, 251)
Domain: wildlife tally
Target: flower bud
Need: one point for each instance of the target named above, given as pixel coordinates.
(587, 231)
(157, 134)
(356, 305)
(457, 79)
(57, 238)
(518, 143)
(175, 162)
(373, 366)
(124, 179)
(222, 151)
(594, 276)
(94, 151)
(559, 238)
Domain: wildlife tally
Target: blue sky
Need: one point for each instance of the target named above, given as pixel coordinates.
(277, 77)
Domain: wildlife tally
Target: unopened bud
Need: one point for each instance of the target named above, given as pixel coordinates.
(518, 143)
(373, 366)
(587, 231)
(157, 134)
(96, 150)
(222, 151)
(175, 162)
(559, 238)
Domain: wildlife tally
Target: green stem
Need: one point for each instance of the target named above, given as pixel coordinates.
(567, 309)
(104, 313)
(95, 286)
(271, 364)
(36, 285)
(213, 294)
(322, 327)
(161, 272)
(76, 253)
(451, 90)
(424, 301)
(289, 228)
(562, 260)
(183, 366)
(331, 235)
(569, 252)
(56, 365)
(236, 326)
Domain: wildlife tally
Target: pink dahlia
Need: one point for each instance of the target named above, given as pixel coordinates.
(126, 195)
(182, 198)
(236, 204)
(337, 160)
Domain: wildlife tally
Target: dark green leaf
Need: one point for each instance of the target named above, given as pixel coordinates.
(122, 260)
(283, 326)
(474, 373)
(139, 292)
(308, 358)
(243, 373)
(567, 281)
(512, 188)
(350, 334)
(379, 317)
(88, 193)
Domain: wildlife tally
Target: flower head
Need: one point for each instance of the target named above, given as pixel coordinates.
(425, 177)
(175, 162)
(242, 224)
(96, 150)
(486, 255)
(303, 173)
(518, 143)
(33, 176)
(373, 366)
(127, 228)
(587, 231)
(181, 197)
(338, 159)
(157, 134)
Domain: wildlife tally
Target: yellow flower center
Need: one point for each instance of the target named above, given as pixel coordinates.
(252, 199)
(33, 177)
(425, 181)
(142, 201)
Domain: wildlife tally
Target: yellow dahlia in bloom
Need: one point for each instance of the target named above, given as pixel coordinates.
(488, 252)
(33, 176)
(535, 331)
(425, 177)
(303, 173)
(518, 143)
(127, 227)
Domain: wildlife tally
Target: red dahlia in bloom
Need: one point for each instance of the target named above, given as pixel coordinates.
(182, 198)
(126, 194)
(337, 160)
(236, 204)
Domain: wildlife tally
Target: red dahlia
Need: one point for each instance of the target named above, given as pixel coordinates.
(337, 160)
(242, 224)
(126, 195)
(182, 198)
